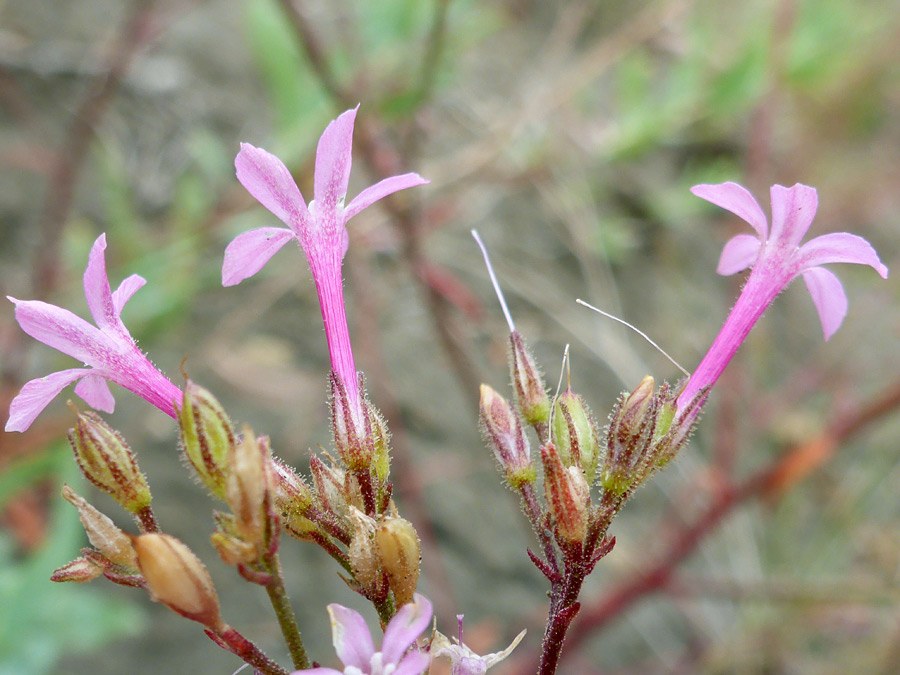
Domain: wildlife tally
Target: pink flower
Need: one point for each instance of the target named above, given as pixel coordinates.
(463, 661)
(108, 349)
(354, 646)
(776, 258)
(320, 228)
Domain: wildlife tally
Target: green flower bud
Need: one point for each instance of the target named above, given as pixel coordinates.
(575, 434)
(207, 437)
(106, 460)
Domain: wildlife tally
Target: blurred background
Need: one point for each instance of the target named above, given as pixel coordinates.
(568, 134)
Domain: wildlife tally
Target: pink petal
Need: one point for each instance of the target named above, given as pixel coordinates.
(351, 637)
(738, 200)
(406, 626)
(416, 663)
(333, 160)
(382, 189)
(839, 247)
(248, 252)
(267, 178)
(96, 288)
(793, 210)
(738, 254)
(94, 391)
(318, 671)
(59, 328)
(829, 298)
(128, 287)
(36, 395)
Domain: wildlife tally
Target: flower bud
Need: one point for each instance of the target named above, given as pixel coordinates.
(348, 428)
(632, 418)
(207, 437)
(177, 578)
(506, 437)
(531, 395)
(114, 544)
(80, 570)
(575, 434)
(400, 553)
(380, 438)
(106, 460)
(292, 497)
(568, 496)
(634, 438)
(248, 486)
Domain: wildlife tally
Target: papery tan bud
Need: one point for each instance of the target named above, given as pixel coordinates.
(400, 553)
(531, 395)
(506, 437)
(568, 496)
(106, 460)
(248, 485)
(363, 553)
(207, 437)
(101, 531)
(233, 551)
(80, 570)
(177, 578)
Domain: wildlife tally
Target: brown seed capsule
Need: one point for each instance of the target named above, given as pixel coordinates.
(101, 531)
(363, 553)
(177, 578)
(399, 552)
(248, 487)
(80, 570)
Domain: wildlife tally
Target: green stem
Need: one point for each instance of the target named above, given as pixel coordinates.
(282, 606)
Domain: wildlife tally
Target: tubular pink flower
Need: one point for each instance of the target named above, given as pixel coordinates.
(776, 257)
(356, 650)
(108, 349)
(320, 228)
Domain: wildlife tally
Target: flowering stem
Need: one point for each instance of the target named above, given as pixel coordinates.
(282, 606)
(386, 609)
(228, 638)
(533, 511)
(331, 549)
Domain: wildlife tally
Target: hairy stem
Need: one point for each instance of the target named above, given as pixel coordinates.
(282, 606)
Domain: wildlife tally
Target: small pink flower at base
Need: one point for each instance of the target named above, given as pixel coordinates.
(463, 661)
(353, 642)
(108, 349)
(320, 228)
(776, 258)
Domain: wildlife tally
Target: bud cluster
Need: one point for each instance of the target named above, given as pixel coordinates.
(643, 435)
